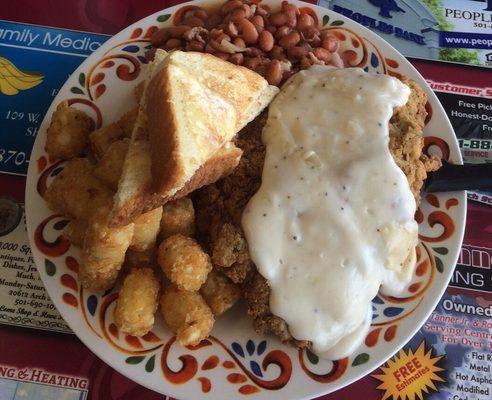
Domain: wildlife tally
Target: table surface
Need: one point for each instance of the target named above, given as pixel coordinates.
(46, 349)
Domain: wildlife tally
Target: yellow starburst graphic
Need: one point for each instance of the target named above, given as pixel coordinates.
(409, 375)
(13, 80)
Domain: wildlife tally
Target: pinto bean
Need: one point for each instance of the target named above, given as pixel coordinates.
(237, 59)
(248, 31)
(297, 52)
(230, 5)
(252, 62)
(274, 72)
(330, 43)
(177, 32)
(282, 31)
(278, 19)
(266, 41)
(290, 40)
(304, 21)
(160, 37)
(193, 21)
(172, 44)
(322, 54)
(239, 42)
(277, 53)
(195, 45)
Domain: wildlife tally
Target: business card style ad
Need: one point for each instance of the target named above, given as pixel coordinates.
(446, 30)
(35, 62)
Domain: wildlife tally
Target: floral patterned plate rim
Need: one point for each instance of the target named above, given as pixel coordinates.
(235, 362)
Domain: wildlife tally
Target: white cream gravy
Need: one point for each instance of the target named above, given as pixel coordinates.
(334, 217)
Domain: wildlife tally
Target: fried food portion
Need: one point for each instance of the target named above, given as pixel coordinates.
(186, 314)
(108, 169)
(230, 247)
(178, 217)
(239, 272)
(184, 262)
(102, 138)
(222, 203)
(75, 231)
(103, 251)
(146, 230)
(137, 302)
(219, 293)
(76, 192)
(68, 133)
(406, 140)
(257, 295)
(139, 259)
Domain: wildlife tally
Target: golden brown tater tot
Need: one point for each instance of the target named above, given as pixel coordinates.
(68, 133)
(146, 230)
(139, 259)
(103, 252)
(178, 216)
(186, 314)
(219, 293)
(75, 231)
(137, 302)
(76, 192)
(184, 262)
(108, 169)
(103, 137)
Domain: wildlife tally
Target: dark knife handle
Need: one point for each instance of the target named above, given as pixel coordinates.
(450, 178)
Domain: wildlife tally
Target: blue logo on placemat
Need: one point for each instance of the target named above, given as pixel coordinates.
(385, 6)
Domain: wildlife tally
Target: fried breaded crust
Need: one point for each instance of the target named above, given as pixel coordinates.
(221, 204)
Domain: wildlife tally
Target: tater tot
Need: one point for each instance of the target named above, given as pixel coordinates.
(103, 251)
(137, 302)
(186, 314)
(139, 259)
(76, 192)
(178, 216)
(108, 169)
(184, 262)
(103, 137)
(75, 231)
(68, 133)
(219, 293)
(146, 230)
(229, 247)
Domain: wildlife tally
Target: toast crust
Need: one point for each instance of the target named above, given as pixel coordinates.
(163, 135)
(217, 167)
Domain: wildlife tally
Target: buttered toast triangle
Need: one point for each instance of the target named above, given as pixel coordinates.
(135, 176)
(135, 195)
(195, 105)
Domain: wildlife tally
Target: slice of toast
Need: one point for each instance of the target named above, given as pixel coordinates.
(221, 164)
(136, 177)
(135, 193)
(195, 104)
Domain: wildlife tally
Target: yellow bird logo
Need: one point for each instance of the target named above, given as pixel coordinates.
(13, 80)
